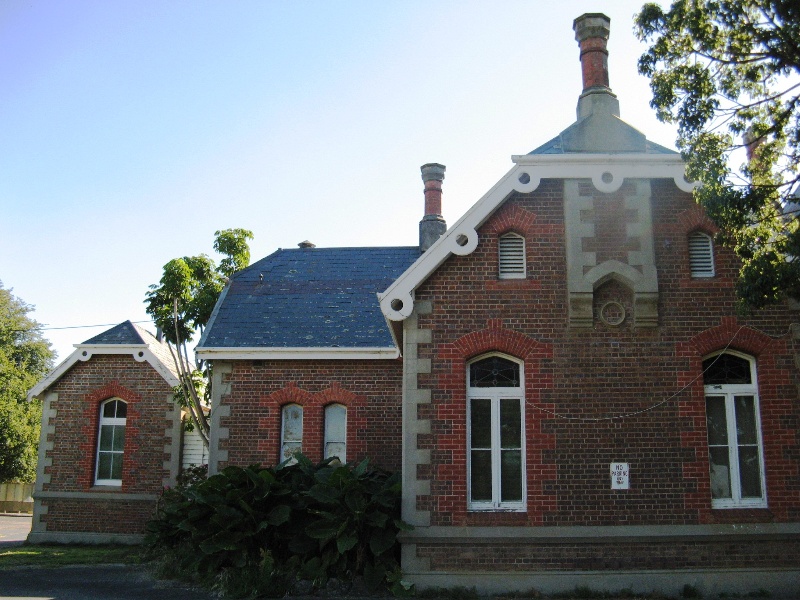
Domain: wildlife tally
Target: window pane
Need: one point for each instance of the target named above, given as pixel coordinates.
(726, 369)
(335, 423)
(116, 466)
(720, 472)
(745, 420)
(481, 423)
(494, 371)
(104, 465)
(292, 423)
(750, 472)
(106, 437)
(109, 409)
(717, 421)
(122, 409)
(510, 423)
(119, 438)
(481, 480)
(336, 449)
(511, 476)
(290, 449)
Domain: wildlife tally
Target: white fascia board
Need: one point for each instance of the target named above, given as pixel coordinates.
(319, 353)
(83, 352)
(606, 171)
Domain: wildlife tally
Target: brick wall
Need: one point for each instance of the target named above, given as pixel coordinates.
(617, 556)
(602, 394)
(371, 391)
(80, 393)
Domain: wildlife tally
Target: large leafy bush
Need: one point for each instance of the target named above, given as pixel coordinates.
(270, 527)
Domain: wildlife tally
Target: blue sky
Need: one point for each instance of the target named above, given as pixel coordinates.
(130, 131)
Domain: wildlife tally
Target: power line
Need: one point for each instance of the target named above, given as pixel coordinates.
(86, 326)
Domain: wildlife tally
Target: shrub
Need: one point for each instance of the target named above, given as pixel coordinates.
(277, 525)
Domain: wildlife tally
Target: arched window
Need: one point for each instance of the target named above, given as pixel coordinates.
(512, 256)
(701, 254)
(734, 432)
(496, 434)
(291, 431)
(111, 442)
(336, 432)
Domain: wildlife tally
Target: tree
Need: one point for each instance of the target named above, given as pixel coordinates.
(726, 71)
(181, 305)
(25, 357)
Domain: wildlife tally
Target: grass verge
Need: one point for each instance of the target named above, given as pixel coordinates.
(53, 555)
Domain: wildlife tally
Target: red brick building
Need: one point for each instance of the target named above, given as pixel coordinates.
(110, 439)
(561, 376)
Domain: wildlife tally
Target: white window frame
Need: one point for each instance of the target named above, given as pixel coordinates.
(495, 395)
(104, 421)
(730, 392)
(701, 255)
(298, 442)
(329, 438)
(511, 256)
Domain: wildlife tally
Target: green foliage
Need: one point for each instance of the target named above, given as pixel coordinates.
(182, 303)
(689, 591)
(20, 423)
(272, 526)
(25, 357)
(726, 72)
(195, 283)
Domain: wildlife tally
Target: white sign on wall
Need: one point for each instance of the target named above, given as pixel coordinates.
(620, 476)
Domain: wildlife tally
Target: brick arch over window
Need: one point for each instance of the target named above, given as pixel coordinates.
(777, 394)
(730, 333)
(91, 424)
(269, 422)
(696, 219)
(498, 339)
(357, 426)
(452, 439)
(510, 218)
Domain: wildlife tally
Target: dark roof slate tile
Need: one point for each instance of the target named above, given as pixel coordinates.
(124, 333)
(309, 298)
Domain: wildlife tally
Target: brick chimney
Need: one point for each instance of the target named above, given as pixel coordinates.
(433, 224)
(591, 33)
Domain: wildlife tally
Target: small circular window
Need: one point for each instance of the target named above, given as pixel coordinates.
(612, 313)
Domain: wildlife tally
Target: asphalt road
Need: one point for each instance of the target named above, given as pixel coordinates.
(100, 582)
(14, 529)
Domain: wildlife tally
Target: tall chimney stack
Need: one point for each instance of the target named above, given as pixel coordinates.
(591, 33)
(432, 225)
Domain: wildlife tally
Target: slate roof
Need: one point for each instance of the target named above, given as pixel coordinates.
(124, 333)
(128, 333)
(557, 145)
(309, 298)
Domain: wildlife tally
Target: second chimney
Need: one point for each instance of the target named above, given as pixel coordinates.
(591, 33)
(433, 224)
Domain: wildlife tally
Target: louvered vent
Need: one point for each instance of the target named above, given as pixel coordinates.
(701, 255)
(512, 257)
